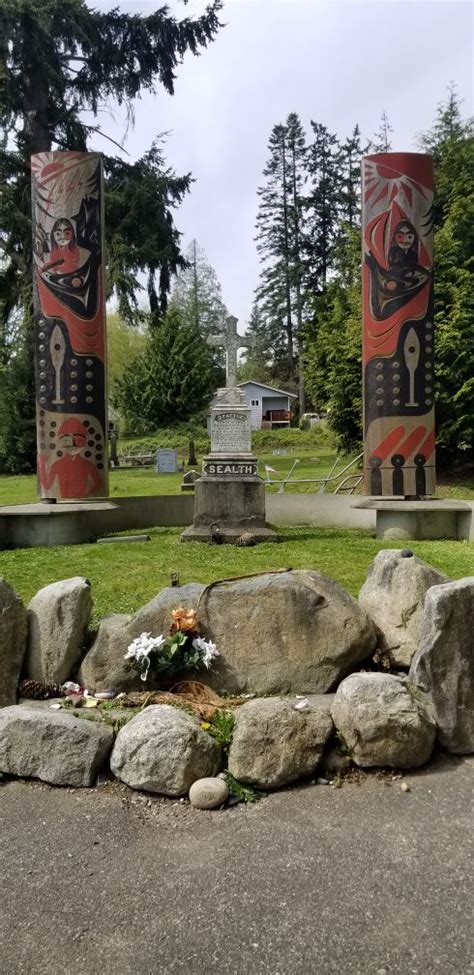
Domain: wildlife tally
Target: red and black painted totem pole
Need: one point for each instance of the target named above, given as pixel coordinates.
(398, 331)
(67, 200)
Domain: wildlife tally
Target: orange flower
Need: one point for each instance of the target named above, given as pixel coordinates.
(184, 619)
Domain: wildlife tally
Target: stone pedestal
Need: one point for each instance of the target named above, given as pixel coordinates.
(229, 499)
(417, 519)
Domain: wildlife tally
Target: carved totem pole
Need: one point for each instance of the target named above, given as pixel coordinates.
(397, 290)
(71, 417)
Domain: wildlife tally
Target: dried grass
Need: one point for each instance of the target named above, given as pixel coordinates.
(188, 694)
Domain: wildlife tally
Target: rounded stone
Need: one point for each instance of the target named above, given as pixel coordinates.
(164, 750)
(208, 793)
(384, 720)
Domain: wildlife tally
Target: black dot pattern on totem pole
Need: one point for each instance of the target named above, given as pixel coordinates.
(395, 389)
(76, 384)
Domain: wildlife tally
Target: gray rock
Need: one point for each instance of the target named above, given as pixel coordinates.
(444, 664)
(52, 746)
(384, 720)
(284, 632)
(58, 617)
(104, 666)
(164, 750)
(273, 744)
(13, 629)
(394, 595)
(208, 793)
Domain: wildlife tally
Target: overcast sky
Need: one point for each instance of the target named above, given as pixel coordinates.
(336, 62)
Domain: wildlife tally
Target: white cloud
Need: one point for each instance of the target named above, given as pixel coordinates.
(336, 62)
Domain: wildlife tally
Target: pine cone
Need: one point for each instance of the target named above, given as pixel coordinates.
(35, 690)
(246, 539)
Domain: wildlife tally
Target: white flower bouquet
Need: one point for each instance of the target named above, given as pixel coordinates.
(183, 649)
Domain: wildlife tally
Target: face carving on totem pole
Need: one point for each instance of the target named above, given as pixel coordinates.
(74, 474)
(62, 234)
(402, 279)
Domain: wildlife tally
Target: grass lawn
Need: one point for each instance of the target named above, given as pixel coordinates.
(127, 575)
(313, 462)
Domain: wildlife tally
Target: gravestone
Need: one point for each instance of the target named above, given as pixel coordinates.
(230, 496)
(189, 480)
(166, 462)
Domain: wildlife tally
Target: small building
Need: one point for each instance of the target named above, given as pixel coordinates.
(270, 407)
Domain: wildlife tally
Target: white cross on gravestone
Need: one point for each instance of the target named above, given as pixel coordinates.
(232, 342)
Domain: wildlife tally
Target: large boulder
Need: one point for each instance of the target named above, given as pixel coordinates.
(284, 632)
(273, 743)
(394, 596)
(444, 664)
(164, 750)
(384, 720)
(104, 666)
(58, 617)
(52, 746)
(13, 628)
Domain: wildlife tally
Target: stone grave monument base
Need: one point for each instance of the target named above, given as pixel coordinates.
(229, 498)
(224, 509)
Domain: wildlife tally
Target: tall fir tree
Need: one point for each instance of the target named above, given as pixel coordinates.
(297, 237)
(381, 141)
(451, 143)
(323, 201)
(352, 150)
(61, 62)
(197, 293)
(280, 235)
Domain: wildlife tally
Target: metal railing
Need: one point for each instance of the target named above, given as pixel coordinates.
(344, 486)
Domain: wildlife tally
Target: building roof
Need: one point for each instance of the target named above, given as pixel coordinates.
(273, 389)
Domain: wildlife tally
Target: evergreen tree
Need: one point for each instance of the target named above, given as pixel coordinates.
(61, 61)
(451, 142)
(197, 296)
(352, 151)
(280, 244)
(171, 381)
(197, 293)
(257, 360)
(334, 346)
(323, 201)
(273, 244)
(297, 149)
(381, 141)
